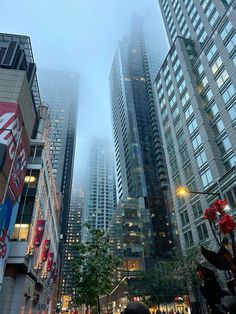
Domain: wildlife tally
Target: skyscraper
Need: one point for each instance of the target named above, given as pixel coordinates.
(196, 92)
(100, 187)
(140, 165)
(60, 91)
(73, 237)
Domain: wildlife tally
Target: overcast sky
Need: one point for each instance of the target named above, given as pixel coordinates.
(81, 36)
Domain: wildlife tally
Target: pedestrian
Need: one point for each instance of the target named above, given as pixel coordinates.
(158, 311)
(136, 307)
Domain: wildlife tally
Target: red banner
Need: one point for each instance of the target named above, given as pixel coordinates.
(39, 232)
(50, 261)
(14, 145)
(46, 246)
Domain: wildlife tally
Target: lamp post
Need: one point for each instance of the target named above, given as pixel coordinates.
(183, 191)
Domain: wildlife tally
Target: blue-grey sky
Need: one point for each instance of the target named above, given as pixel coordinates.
(81, 36)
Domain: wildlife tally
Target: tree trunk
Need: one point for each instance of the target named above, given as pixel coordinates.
(98, 303)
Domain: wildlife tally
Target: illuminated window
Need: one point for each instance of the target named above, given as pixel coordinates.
(216, 65)
(20, 232)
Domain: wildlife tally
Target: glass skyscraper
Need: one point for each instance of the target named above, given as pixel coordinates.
(140, 164)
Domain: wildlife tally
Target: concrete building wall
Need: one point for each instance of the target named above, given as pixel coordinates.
(14, 88)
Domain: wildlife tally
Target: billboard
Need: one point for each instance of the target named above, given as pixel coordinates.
(14, 151)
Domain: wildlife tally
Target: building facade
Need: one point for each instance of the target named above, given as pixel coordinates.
(196, 92)
(60, 90)
(100, 198)
(130, 237)
(31, 270)
(18, 99)
(74, 231)
(140, 163)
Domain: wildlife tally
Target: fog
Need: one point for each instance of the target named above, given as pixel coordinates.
(80, 36)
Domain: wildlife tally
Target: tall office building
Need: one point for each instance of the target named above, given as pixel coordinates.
(196, 95)
(100, 187)
(73, 237)
(140, 164)
(60, 91)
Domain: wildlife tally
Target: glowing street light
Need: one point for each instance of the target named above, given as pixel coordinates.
(183, 191)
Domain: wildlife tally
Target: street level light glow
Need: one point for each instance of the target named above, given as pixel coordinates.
(182, 191)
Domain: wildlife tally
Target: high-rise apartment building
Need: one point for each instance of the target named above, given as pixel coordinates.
(60, 91)
(100, 187)
(196, 96)
(140, 164)
(74, 230)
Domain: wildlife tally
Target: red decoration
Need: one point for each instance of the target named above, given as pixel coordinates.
(50, 261)
(46, 246)
(217, 207)
(39, 232)
(210, 213)
(227, 224)
(220, 206)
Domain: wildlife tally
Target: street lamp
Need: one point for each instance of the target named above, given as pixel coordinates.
(183, 191)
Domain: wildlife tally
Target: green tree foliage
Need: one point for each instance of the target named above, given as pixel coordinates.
(160, 285)
(93, 270)
(185, 265)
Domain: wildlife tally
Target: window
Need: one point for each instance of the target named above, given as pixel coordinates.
(184, 218)
(222, 78)
(224, 146)
(188, 237)
(202, 232)
(228, 93)
(185, 98)
(192, 126)
(208, 96)
(197, 209)
(206, 178)
(211, 53)
(218, 127)
(182, 86)
(196, 141)
(215, 67)
(174, 166)
(188, 112)
(172, 102)
(21, 232)
(231, 44)
(202, 84)
(200, 69)
(184, 155)
(232, 112)
(175, 112)
(201, 159)
(180, 139)
(226, 30)
(188, 172)
(212, 112)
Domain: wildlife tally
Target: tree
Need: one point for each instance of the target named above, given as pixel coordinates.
(185, 266)
(160, 285)
(93, 270)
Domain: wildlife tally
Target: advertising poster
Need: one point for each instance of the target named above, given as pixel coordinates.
(14, 151)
